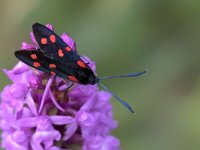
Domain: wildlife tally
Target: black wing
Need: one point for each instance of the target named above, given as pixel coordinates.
(37, 59)
(53, 46)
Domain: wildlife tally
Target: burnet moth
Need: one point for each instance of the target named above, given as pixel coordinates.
(55, 57)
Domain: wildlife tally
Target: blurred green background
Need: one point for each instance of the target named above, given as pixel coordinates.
(124, 36)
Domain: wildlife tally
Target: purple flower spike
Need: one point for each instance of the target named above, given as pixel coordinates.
(39, 112)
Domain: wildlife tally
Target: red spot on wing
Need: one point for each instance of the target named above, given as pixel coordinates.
(73, 78)
(53, 73)
(60, 53)
(36, 64)
(81, 64)
(44, 40)
(52, 66)
(33, 56)
(68, 49)
(53, 38)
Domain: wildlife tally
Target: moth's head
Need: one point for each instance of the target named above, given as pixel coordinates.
(92, 79)
(86, 76)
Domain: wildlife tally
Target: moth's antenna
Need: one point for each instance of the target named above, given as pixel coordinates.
(120, 76)
(119, 99)
(127, 75)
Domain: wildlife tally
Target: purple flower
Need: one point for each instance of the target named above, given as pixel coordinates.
(39, 112)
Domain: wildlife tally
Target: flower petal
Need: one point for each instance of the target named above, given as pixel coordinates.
(69, 41)
(27, 46)
(85, 119)
(101, 143)
(26, 122)
(15, 74)
(50, 26)
(61, 120)
(71, 129)
(44, 137)
(91, 63)
(31, 104)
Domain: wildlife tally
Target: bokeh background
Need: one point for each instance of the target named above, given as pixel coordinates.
(124, 36)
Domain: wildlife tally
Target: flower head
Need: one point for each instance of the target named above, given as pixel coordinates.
(39, 112)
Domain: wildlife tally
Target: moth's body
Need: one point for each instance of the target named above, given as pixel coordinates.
(56, 57)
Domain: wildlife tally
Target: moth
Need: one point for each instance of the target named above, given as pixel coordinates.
(55, 57)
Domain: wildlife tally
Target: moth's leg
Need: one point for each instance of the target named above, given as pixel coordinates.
(66, 91)
(72, 83)
(65, 86)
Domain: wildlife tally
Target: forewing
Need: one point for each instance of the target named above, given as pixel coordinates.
(52, 45)
(54, 48)
(36, 59)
